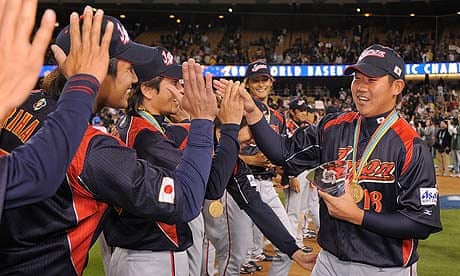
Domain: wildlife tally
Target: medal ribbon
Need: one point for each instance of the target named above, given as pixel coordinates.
(370, 147)
(150, 118)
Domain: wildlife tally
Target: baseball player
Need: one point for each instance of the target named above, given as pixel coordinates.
(259, 82)
(143, 246)
(228, 230)
(300, 197)
(104, 171)
(391, 197)
(33, 172)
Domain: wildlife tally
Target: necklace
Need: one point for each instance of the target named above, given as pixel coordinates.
(356, 189)
(150, 118)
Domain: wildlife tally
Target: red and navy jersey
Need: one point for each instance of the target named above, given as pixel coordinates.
(25, 121)
(53, 237)
(34, 172)
(126, 230)
(130, 231)
(292, 126)
(398, 179)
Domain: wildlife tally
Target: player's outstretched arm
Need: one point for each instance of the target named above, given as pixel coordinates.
(34, 171)
(21, 59)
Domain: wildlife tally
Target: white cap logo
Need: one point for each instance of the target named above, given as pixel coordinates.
(372, 52)
(124, 37)
(258, 67)
(168, 58)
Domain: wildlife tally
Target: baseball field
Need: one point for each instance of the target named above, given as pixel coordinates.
(439, 254)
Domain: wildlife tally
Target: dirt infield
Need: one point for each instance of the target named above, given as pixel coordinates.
(447, 186)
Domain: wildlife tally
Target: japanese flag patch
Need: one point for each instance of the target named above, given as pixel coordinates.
(167, 192)
(428, 196)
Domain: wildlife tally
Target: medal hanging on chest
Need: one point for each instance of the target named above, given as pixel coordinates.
(357, 190)
(216, 209)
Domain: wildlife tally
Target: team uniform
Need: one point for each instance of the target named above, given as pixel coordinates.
(28, 174)
(303, 202)
(143, 246)
(229, 232)
(263, 176)
(103, 172)
(394, 184)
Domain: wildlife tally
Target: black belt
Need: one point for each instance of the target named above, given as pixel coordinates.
(263, 176)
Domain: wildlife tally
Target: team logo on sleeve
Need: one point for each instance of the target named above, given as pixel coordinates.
(39, 104)
(167, 192)
(428, 196)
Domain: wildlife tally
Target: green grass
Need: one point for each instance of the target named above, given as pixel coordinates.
(439, 254)
(95, 266)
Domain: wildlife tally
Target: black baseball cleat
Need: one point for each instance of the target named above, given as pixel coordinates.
(248, 268)
(256, 265)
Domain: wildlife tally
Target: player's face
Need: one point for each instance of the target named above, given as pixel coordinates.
(165, 100)
(299, 116)
(245, 137)
(115, 89)
(375, 95)
(260, 87)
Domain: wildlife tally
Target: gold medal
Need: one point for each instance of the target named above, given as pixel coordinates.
(216, 209)
(357, 192)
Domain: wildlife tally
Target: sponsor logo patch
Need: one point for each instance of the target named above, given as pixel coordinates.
(167, 192)
(252, 180)
(428, 196)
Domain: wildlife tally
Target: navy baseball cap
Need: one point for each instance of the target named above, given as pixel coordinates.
(299, 104)
(256, 69)
(160, 63)
(121, 46)
(377, 61)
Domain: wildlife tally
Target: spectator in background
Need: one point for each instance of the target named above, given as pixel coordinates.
(428, 133)
(443, 140)
(455, 131)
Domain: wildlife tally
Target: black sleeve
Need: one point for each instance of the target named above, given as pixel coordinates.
(295, 154)
(249, 200)
(35, 170)
(158, 150)
(114, 174)
(224, 161)
(396, 226)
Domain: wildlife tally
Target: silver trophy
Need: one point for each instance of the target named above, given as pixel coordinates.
(330, 177)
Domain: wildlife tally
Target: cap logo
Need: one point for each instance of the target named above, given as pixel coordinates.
(258, 67)
(300, 102)
(397, 71)
(372, 52)
(124, 37)
(168, 58)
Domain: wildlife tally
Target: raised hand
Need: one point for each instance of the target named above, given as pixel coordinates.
(199, 100)
(220, 85)
(231, 107)
(88, 53)
(21, 59)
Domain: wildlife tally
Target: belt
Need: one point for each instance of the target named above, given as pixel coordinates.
(263, 176)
